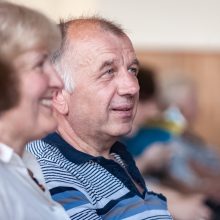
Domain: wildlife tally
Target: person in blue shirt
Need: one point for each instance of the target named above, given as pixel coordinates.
(87, 171)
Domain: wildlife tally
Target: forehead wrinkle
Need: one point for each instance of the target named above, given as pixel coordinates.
(91, 44)
(106, 63)
(87, 53)
(129, 57)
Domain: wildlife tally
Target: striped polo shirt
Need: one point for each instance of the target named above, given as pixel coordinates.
(92, 188)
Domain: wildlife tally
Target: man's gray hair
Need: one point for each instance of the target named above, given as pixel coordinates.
(61, 57)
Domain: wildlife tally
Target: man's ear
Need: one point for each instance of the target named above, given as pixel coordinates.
(60, 102)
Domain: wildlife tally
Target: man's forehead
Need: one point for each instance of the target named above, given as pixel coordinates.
(88, 32)
(97, 42)
(105, 42)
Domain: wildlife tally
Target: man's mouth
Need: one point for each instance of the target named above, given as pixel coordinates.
(123, 110)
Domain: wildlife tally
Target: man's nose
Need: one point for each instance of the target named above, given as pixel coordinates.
(128, 84)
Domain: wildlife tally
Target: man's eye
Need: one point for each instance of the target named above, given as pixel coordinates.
(133, 70)
(109, 71)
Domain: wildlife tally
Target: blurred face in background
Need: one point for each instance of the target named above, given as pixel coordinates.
(147, 110)
(27, 39)
(189, 104)
(37, 81)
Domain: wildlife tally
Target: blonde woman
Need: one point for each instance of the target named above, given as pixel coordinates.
(27, 38)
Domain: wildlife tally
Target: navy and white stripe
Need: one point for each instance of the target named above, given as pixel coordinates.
(94, 187)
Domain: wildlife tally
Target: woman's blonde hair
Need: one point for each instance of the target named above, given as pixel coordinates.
(23, 29)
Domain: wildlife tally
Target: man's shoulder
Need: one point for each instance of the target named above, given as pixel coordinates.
(41, 148)
(36, 147)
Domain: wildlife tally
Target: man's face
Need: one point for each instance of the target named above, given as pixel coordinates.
(103, 103)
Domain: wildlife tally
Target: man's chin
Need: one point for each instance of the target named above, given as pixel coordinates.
(122, 130)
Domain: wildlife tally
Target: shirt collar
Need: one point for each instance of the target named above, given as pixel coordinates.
(69, 152)
(6, 153)
(78, 157)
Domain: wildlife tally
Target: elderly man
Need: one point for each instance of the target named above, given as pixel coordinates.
(86, 170)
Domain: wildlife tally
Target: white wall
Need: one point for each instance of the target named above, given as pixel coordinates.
(151, 24)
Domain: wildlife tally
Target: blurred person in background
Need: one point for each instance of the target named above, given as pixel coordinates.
(192, 157)
(152, 146)
(27, 83)
(86, 169)
(194, 166)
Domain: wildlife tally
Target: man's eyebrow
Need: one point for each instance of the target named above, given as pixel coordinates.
(106, 63)
(135, 62)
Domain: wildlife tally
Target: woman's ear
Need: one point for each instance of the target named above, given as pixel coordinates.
(60, 102)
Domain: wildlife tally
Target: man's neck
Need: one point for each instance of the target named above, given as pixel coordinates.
(86, 143)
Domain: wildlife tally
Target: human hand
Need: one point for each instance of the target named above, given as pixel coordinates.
(154, 158)
(190, 207)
